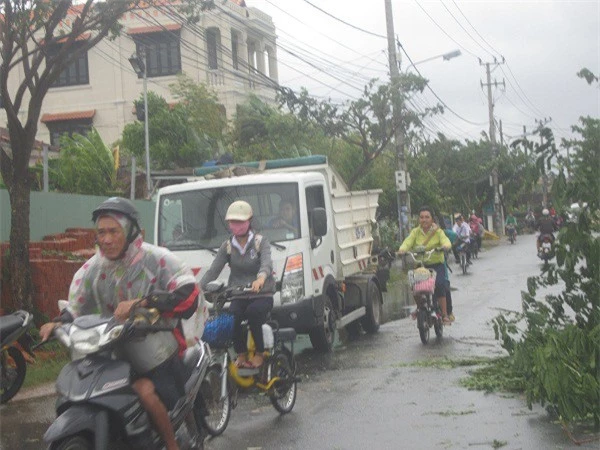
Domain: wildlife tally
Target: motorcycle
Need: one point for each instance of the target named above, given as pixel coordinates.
(512, 232)
(546, 250)
(422, 282)
(97, 407)
(14, 328)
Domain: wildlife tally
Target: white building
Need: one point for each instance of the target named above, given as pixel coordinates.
(231, 49)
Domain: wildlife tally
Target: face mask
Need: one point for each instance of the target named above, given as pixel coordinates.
(239, 228)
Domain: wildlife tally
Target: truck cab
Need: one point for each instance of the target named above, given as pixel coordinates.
(311, 258)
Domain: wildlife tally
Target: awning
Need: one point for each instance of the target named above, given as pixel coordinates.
(61, 117)
(154, 29)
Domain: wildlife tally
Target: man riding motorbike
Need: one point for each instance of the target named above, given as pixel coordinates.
(546, 227)
(463, 232)
(124, 270)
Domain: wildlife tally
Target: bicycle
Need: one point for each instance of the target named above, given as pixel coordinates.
(462, 248)
(422, 282)
(276, 377)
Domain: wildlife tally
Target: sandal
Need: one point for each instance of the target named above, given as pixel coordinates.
(446, 320)
(241, 361)
(255, 362)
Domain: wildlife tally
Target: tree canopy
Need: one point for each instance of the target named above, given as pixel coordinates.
(29, 30)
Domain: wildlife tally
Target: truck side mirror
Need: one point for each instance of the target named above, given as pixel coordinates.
(319, 222)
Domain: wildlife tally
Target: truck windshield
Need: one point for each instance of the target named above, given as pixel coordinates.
(195, 220)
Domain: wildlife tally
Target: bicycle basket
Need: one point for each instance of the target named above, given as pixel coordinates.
(422, 280)
(218, 330)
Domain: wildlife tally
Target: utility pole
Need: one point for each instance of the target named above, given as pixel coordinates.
(498, 222)
(541, 124)
(402, 177)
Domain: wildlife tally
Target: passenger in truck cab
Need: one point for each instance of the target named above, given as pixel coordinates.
(287, 217)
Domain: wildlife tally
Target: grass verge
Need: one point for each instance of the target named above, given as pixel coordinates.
(46, 366)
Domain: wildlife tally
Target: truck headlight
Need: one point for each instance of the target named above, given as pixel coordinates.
(292, 284)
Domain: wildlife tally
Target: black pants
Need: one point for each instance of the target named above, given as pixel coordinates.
(254, 309)
(169, 380)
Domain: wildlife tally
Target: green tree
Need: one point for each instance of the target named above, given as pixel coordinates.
(173, 140)
(29, 29)
(554, 342)
(85, 166)
(366, 123)
(260, 131)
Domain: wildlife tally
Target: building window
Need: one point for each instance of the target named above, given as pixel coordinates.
(74, 74)
(213, 41)
(69, 128)
(163, 53)
(235, 50)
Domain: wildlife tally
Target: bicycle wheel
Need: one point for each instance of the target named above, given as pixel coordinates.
(12, 369)
(217, 408)
(438, 327)
(463, 262)
(283, 392)
(423, 325)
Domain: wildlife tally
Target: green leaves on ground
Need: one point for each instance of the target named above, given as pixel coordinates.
(554, 342)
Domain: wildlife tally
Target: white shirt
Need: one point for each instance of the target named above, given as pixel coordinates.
(463, 231)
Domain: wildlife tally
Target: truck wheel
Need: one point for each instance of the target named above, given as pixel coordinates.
(372, 320)
(323, 336)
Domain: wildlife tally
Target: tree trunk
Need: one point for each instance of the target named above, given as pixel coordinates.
(20, 269)
(15, 172)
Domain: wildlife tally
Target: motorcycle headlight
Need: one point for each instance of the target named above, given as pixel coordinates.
(85, 341)
(112, 335)
(292, 284)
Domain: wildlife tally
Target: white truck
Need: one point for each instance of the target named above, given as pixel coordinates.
(326, 275)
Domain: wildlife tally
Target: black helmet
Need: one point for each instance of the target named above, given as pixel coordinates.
(123, 206)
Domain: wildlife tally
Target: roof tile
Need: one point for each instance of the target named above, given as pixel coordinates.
(75, 115)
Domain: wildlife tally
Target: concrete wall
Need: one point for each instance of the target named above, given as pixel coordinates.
(54, 212)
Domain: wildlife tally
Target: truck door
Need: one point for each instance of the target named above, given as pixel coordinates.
(322, 253)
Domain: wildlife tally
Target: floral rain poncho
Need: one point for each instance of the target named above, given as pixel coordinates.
(100, 284)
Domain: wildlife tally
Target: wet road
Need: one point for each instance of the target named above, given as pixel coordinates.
(370, 394)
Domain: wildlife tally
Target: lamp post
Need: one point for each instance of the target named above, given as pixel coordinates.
(139, 66)
(445, 56)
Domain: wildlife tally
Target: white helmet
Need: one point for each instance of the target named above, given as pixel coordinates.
(545, 211)
(239, 210)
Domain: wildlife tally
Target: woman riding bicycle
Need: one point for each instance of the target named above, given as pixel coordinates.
(249, 257)
(430, 236)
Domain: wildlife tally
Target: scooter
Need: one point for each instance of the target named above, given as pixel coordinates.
(97, 407)
(14, 328)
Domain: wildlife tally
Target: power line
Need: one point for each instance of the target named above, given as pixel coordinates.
(346, 23)
(464, 29)
(438, 97)
(474, 29)
(444, 31)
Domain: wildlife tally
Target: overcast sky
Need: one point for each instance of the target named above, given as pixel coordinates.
(544, 43)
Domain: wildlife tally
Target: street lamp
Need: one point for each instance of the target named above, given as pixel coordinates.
(137, 62)
(445, 56)
(402, 174)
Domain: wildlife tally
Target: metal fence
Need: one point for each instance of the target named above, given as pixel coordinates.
(53, 212)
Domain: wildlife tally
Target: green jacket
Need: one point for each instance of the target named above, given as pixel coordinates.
(418, 237)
